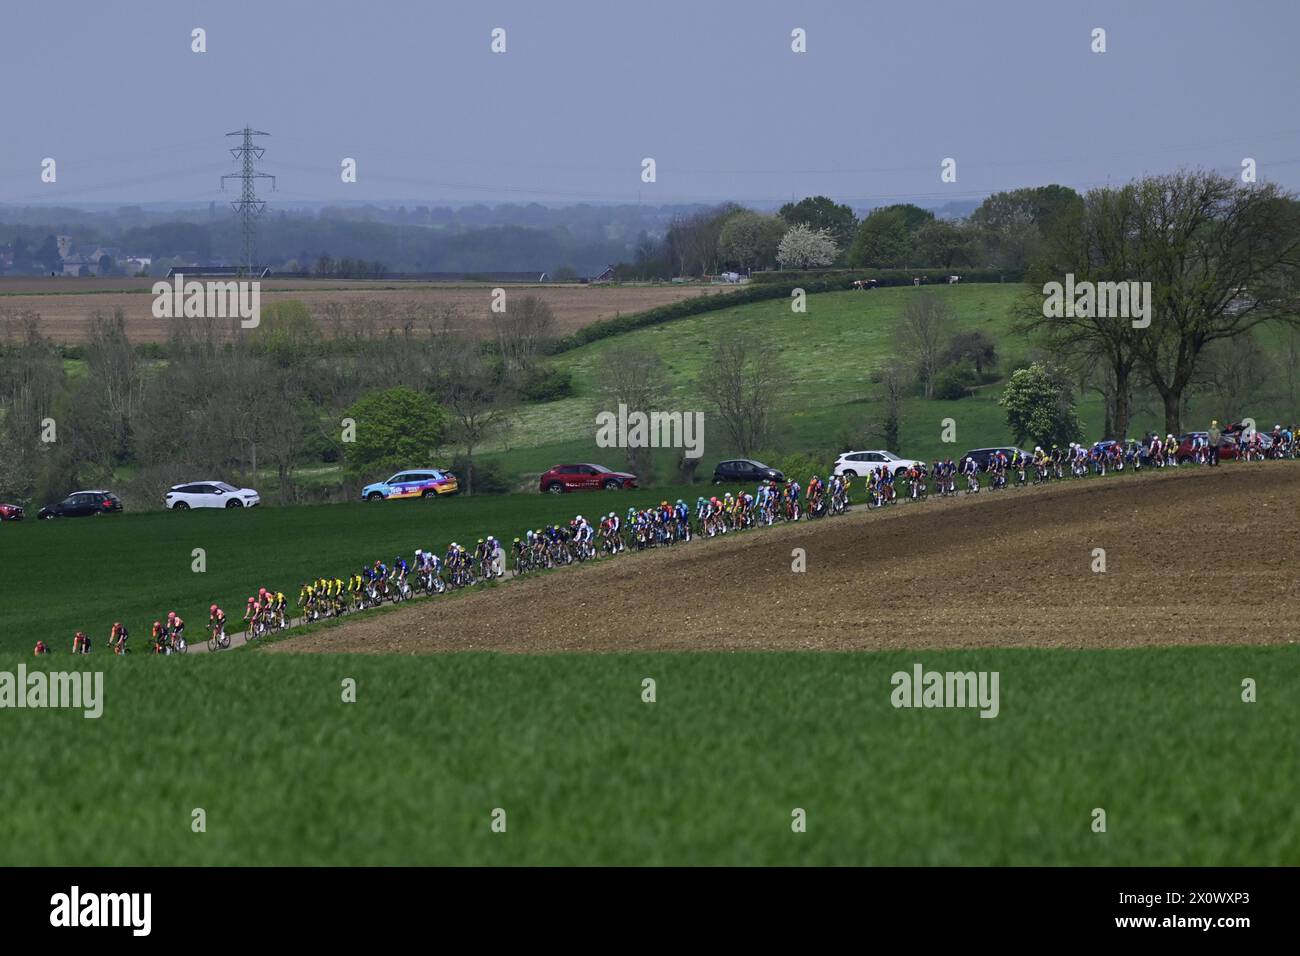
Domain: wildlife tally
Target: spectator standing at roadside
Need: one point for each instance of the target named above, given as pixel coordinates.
(1213, 436)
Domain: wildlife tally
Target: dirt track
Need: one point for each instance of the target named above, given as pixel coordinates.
(1201, 556)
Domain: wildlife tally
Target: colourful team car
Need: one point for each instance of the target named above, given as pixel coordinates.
(416, 483)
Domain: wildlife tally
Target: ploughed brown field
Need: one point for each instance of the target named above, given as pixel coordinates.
(1197, 556)
(65, 304)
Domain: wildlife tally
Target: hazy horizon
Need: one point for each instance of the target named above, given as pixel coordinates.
(582, 94)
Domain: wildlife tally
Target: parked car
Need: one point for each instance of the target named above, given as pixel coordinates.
(586, 477)
(854, 463)
(415, 483)
(982, 455)
(1237, 431)
(81, 504)
(745, 469)
(11, 512)
(1228, 448)
(210, 494)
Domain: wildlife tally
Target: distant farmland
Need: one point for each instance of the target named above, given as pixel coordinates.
(65, 304)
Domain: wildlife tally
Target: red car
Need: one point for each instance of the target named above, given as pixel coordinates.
(1186, 453)
(11, 512)
(564, 478)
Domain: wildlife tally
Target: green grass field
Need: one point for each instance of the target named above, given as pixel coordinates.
(830, 353)
(708, 774)
(85, 573)
(588, 773)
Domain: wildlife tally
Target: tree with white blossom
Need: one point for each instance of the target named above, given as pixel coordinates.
(803, 247)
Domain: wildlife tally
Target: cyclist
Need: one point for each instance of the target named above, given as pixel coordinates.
(80, 643)
(158, 638)
(117, 638)
(683, 515)
(216, 621)
(175, 630)
(253, 612)
(41, 648)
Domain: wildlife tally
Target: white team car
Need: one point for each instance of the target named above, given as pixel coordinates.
(851, 464)
(210, 494)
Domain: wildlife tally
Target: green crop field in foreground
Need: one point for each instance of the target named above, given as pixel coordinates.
(710, 773)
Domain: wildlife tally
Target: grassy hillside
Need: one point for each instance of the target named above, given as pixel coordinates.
(830, 353)
(85, 573)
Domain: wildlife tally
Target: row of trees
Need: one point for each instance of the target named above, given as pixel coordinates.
(1222, 259)
(730, 236)
(242, 404)
(1006, 232)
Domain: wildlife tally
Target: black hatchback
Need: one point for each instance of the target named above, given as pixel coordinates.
(81, 504)
(744, 469)
(983, 456)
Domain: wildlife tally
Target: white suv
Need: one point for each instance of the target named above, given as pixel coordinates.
(854, 463)
(210, 494)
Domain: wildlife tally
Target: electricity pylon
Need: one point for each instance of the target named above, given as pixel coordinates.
(249, 207)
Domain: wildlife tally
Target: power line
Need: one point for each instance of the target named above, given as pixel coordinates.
(249, 207)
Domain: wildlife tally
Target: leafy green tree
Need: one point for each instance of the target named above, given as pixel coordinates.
(945, 244)
(1040, 406)
(287, 334)
(819, 212)
(887, 237)
(1012, 226)
(395, 428)
(48, 256)
(750, 239)
(1222, 257)
(1041, 205)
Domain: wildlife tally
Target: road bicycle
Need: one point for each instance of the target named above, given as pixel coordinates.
(218, 639)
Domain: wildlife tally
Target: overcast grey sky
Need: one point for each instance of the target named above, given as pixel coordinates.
(711, 90)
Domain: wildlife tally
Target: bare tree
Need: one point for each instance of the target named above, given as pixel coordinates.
(476, 396)
(31, 371)
(635, 377)
(1236, 371)
(116, 377)
(894, 379)
(31, 381)
(522, 330)
(922, 334)
(743, 382)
